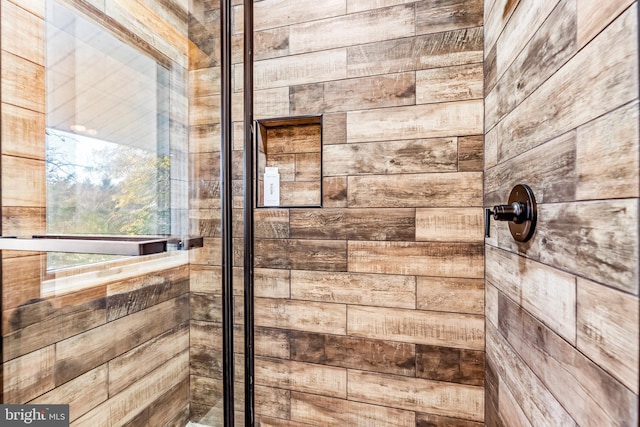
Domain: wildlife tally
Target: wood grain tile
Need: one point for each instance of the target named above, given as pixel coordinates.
(420, 258)
(357, 353)
(354, 288)
(420, 327)
(452, 295)
(353, 224)
(448, 399)
(391, 157)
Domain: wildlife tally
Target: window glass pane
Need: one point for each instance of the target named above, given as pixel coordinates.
(108, 151)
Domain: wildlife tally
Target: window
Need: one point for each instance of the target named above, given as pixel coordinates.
(109, 157)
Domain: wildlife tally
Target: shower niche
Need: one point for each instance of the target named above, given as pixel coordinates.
(289, 162)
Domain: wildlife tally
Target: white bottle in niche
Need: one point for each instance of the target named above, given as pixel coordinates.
(271, 187)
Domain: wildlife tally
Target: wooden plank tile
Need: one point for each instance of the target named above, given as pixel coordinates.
(334, 192)
(420, 258)
(200, 109)
(205, 392)
(608, 255)
(301, 315)
(303, 377)
(278, 13)
(307, 167)
(532, 394)
(169, 410)
(491, 303)
(413, 394)
(334, 128)
(612, 82)
(85, 351)
(388, 90)
(22, 221)
(356, 353)
(450, 224)
(526, 18)
(267, 103)
(23, 132)
(353, 224)
(125, 406)
(607, 156)
(206, 307)
(533, 66)
(450, 364)
(209, 254)
(20, 280)
(271, 283)
(270, 342)
(452, 295)
(277, 422)
(430, 420)
(271, 224)
(416, 53)
(446, 15)
(205, 279)
(300, 193)
(24, 182)
(492, 390)
(121, 304)
(293, 139)
(133, 365)
(554, 180)
(415, 190)
(81, 394)
(457, 83)
(596, 397)
(327, 411)
(510, 410)
(490, 72)
(22, 33)
(352, 29)
(548, 293)
(608, 330)
(351, 288)
(415, 122)
(149, 26)
(415, 326)
(34, 6)
(391, 157)
(594, 16)
(491, 148)
(28, 376)
(323, 255)
(271, 43)
(204, 82)
(360, 5)
(470, 153)
(273, 402)
(496, 16)
(40, 309)
(52, 324)
(300, 69)
(205, 349)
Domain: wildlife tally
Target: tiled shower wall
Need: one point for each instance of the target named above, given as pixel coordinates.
(561, 114)
(369, 309)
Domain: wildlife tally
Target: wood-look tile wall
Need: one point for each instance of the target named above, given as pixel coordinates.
(369, 310)
(561, 115)
(117, 351)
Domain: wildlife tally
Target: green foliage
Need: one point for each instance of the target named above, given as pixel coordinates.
(125, 191)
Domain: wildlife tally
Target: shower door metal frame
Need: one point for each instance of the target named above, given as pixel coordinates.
(226, 189)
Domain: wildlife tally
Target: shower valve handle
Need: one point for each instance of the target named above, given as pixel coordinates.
(521, 214)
